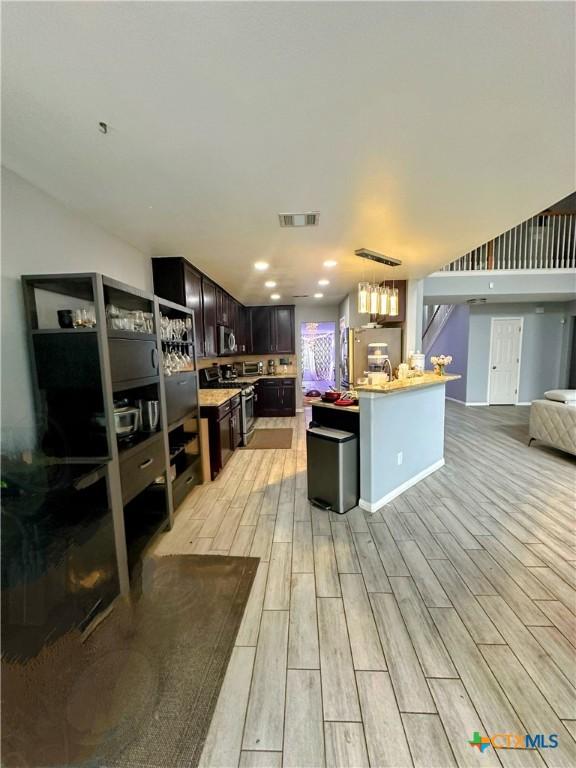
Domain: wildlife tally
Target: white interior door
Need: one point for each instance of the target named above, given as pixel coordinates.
(505, 345)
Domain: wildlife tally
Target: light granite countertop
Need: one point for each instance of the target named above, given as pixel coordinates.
(212, 398)
(428, 379)
(320, 404)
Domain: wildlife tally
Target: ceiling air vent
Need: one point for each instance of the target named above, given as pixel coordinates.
(299, 219)
(476, 301)
(364, 253)
(301, 296)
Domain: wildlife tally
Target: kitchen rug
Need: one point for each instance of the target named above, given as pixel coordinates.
(270, 438)
(141, 689)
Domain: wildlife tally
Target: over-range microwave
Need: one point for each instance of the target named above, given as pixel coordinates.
(226, 341)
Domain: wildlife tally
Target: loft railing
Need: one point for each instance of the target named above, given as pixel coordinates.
(546, 241)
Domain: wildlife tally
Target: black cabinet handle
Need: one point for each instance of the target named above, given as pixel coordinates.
(146, 463)
(154, 358)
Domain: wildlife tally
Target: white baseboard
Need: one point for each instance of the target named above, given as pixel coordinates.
(455, 400)
(483, 404)
(375, 506)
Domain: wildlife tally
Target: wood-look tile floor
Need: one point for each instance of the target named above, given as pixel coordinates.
(388, 639)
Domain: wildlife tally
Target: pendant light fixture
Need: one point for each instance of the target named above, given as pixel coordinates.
(393, 302)
(384, 300)
(364, 298)
(375, 293)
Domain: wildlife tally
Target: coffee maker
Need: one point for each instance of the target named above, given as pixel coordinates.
(272, 367)
(228, 372)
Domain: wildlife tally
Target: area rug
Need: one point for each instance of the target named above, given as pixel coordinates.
(141, 689)
(270, 438)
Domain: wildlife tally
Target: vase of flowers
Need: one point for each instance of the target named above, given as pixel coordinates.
(440, 362)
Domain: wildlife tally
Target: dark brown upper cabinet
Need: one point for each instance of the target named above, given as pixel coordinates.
(193, 295)
(261, 329)
(243, 330)
(283, 334)
(272, 330)
(209, 311)
(175, 279)
(223, 302)
(258, 330)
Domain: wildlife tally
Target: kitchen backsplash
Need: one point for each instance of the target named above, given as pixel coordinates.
(208, 362)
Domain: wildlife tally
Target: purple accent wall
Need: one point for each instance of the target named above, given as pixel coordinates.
(453, 340)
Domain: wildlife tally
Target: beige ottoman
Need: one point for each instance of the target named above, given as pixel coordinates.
(553, 420)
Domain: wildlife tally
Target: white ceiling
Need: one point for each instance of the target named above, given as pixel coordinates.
(418, 130)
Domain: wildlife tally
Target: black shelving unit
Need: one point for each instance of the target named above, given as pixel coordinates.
(79, 374)
(180, 395)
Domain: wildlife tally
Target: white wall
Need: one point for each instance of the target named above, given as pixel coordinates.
(40, 235)
(542, 365)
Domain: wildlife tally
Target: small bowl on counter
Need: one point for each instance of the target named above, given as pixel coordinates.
(331, 397)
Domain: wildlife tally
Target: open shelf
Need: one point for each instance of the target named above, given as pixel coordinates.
(65, 331)
(130, 335)
(122, 386)
(144, 518)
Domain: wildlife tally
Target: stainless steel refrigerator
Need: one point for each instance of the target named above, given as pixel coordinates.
(354, 351)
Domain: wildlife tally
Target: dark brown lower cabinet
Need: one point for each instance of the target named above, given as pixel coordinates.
(275, 397)
(223, 432)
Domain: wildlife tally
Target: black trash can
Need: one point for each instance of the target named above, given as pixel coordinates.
(332, 468)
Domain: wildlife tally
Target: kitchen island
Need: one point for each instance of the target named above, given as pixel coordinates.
(401, 435)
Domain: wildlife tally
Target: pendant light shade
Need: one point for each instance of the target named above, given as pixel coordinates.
(375, 293)
(384, 300)
(393, 303)
(364, 298)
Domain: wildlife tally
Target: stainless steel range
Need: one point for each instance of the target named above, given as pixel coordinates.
(210, 379)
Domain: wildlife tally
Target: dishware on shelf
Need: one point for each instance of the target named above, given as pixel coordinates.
(119, 319)
(149, 414)
(65, 318)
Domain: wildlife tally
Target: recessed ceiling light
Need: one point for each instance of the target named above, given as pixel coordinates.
(261, 266)
(270, 284)
(275, 296)
(318, 295)
(324, 282)
(330, 263)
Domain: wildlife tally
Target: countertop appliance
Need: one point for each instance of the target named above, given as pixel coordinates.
(272, 367)
(228, 372)
(250, 369)
(354, 351)
(210, 379)
(126, 419)
(226, 341)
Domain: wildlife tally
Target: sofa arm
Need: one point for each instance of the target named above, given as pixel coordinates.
(553, 423)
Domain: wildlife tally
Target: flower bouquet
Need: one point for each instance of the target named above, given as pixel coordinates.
(440, 362)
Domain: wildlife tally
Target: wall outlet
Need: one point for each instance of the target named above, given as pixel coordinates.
(399, 457)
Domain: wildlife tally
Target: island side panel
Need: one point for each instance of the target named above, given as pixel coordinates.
(409, 421)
